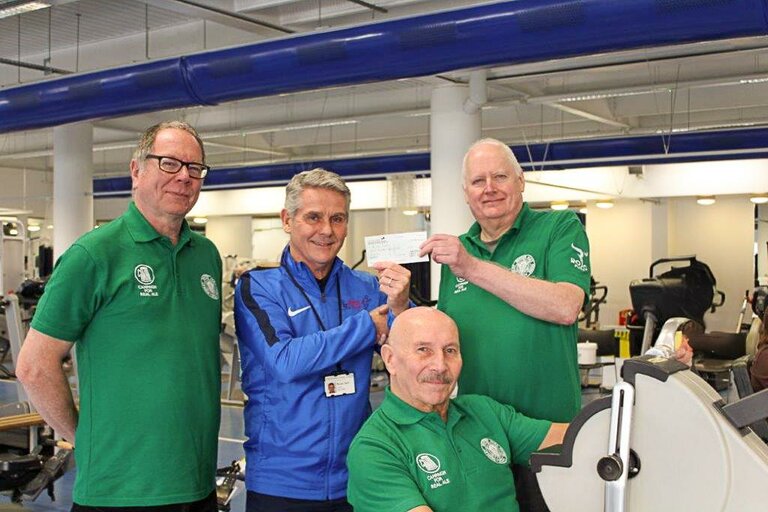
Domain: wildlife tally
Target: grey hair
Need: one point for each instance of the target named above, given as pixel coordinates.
(510, 156)
(316, 178)
(147, 139)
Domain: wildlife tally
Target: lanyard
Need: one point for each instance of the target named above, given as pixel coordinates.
(304, 293)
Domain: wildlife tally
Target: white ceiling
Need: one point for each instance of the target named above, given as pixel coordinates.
(657, 91)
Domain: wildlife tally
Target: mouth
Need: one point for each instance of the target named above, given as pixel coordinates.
(323, 245)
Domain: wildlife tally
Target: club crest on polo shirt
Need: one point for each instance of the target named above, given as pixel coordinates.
(145, 276)
(493, 451)
(209, 286)
(524, 265)
(460, 286)
(579, 263)
(430, 465)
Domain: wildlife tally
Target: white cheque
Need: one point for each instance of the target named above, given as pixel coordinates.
(399, 247)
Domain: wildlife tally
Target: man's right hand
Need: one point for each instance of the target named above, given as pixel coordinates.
(379, 317)
(448, 250)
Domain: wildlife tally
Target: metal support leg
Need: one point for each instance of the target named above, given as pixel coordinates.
(614, 468)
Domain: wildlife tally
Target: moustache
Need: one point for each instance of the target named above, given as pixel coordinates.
(436, 378)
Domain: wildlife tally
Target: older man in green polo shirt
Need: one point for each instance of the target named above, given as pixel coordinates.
(421, 451)
(140, 298)
(514, 284)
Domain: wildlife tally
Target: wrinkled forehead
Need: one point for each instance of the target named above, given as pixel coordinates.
(488, 159)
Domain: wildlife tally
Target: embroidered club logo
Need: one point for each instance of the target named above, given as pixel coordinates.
(460, 286)
(145, 276)
(493, 451)
(428, 463)
(524, 265)
(579, 263)
(209, 286)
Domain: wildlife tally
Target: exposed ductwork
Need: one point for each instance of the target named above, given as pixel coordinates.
(488, 35)
(684, 147)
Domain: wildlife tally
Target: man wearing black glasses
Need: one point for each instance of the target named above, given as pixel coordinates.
(140, 298)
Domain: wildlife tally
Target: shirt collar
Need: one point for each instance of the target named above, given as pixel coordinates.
(404, 414)
(142, 231)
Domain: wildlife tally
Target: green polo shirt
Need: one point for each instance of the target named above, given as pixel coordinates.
(145, 317)
(403, 458)
(508, 355)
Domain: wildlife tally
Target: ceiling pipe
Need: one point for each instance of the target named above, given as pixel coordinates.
(478, 92)
(481, 36)
(684, 147)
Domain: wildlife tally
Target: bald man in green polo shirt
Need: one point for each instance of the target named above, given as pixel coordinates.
(423, 452)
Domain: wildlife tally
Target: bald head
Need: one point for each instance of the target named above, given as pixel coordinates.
(423, 358)
(421, 320)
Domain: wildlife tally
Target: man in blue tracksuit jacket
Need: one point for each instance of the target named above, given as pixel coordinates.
(307, 332)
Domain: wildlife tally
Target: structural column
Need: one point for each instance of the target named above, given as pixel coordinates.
(453, 128)
(72, 184)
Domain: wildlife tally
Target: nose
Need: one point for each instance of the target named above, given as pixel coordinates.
(183, 174)
(490, 186)
(325, 227)
(438, 361)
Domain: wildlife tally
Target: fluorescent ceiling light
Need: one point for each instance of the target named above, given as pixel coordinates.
(410, 212)
(33, 227)
(759, 198)
(14, 10)
(559, 205)
(200, 220)
(606, 95)
(705, 200)
(753, 80)
(604, 203)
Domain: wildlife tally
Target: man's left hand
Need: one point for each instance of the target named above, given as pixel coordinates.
(395, 283)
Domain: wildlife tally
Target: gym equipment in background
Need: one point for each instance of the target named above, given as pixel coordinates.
(665, 440)
(687, 291)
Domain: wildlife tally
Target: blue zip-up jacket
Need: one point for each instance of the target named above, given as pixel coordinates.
(297, 437)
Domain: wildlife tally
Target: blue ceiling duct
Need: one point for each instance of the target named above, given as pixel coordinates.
(684, 147)
(487, 35)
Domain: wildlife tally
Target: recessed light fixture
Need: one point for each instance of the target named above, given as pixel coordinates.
(705, 200)
(759, 198)
(200, 220)
(21, 8)
(33, 228)
(604, 203)
(410, 212)
(559, 205)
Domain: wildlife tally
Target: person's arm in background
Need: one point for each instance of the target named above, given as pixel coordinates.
(39, 369)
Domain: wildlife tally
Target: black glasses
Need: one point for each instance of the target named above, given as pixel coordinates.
(172, 166)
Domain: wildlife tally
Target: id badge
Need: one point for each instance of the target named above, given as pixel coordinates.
(339, 384)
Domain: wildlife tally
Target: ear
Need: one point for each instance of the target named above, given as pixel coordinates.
(386, 355)
(522, 182)
(134, 172)
(286, 220)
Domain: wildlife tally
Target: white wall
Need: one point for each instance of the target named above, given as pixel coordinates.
(626, 239)
(722, 236)
(230, 234)
(621, 245)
